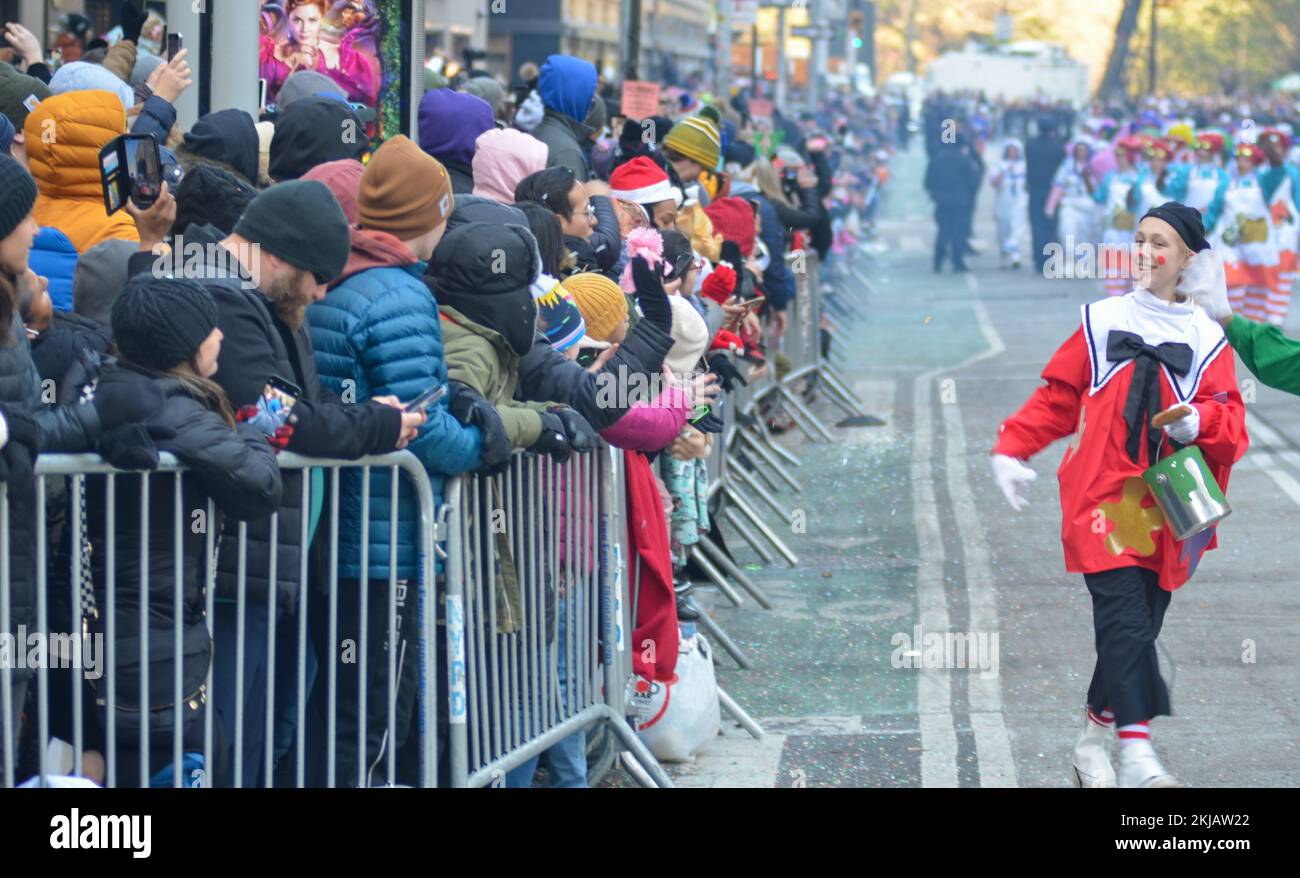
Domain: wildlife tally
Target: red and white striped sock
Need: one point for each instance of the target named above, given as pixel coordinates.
(1105, 718)
(1135, 733)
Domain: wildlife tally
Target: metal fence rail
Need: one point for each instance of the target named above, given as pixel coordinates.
(178, 744)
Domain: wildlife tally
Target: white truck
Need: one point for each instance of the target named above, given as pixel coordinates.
(1025, 70)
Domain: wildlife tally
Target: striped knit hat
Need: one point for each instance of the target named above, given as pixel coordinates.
(557, 315)
(698, 139)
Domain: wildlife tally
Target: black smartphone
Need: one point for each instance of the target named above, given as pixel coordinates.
(275, 405)
(261, 95)
(427, 398)
(130, 166)
(175, 42)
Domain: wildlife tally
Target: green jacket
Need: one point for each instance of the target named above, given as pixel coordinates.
(1272, 357)
(479, 357)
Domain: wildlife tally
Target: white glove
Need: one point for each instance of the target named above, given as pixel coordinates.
(1204, 282)
(1185, 430)
(1011, 474)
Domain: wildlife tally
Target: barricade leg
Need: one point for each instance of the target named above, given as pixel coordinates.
(717, 556)
(760, 548)
(748, 511)
(715, 632)
(739, 715)
(809, 423)
(768, 457)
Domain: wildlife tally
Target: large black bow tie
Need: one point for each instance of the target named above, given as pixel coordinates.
(1144, 392)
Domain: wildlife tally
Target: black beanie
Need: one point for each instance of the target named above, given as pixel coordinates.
(228, 136)
(312, 131)
(300, 222)
(209, 195)
(160, 322)
(17, 194)
(1186, 221)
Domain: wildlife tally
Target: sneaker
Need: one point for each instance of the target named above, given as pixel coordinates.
(1091, 764)
(1140, 767)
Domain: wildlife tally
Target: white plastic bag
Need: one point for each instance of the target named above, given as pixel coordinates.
(683, 716)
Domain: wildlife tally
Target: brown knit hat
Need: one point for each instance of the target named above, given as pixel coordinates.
(404, 191)
(599, 299)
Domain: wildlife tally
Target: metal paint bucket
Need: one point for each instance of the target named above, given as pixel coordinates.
(1186, 492)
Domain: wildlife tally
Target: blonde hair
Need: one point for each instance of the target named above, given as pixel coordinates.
(769, 182)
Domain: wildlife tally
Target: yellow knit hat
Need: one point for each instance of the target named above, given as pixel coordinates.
(600, 300)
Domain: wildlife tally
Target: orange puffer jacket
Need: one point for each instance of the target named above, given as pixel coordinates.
(64, 136)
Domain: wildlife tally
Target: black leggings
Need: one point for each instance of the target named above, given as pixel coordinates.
(1128, 607)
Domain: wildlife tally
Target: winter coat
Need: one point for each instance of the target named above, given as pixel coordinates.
(479, 357)
(546, 374)
(54, 258)
(378, 328)
(564, 138)
(450, 123)
(66, 166)
(60, 429)
(257, 346)
(650, 426)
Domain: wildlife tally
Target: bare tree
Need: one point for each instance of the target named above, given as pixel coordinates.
(1113, 80)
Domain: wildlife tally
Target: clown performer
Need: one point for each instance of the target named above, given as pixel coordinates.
(1072, 191)
(1207, 181)
(1245, 237)
(1116, 195)
(1280, 180)
(1162, 179)
(1150, 357)
(1011, 208)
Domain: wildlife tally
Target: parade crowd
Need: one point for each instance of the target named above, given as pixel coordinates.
(528, 244)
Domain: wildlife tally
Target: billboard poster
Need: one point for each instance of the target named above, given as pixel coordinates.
(356, 43)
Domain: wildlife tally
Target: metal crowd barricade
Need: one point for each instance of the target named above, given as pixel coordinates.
(127, 497)
(537, 619)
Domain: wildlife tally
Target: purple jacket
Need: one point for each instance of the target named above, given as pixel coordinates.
(450, 122)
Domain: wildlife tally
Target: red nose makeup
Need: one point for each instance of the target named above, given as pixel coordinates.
(1160, 260)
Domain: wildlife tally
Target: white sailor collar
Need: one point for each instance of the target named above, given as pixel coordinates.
(1156, 322)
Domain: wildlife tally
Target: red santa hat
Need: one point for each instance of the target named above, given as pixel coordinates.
(1275, 135)
(641, 181)
(1210, 140)
(733, 219)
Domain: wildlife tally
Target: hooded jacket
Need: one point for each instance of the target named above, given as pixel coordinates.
(66, 166)
(567, 86)
(378, 328)
(54, 258)
(228, 137)
(450, 123)
(503, 157)
(488, 317)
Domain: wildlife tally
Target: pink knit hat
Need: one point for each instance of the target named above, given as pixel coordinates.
(503, 157)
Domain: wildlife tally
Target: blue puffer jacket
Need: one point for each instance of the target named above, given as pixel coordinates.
(55, 259)
(378, 330)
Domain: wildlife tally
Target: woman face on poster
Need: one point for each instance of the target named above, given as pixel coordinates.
(305, 21)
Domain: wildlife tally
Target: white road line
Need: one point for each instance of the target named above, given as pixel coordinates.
(934, 691)
(1264, 459)
(992, 741)
(972, 282)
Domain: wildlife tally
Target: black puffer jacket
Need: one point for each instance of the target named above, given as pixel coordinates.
(547, 375)
(256, 346)
(234, 467)
(62, 429)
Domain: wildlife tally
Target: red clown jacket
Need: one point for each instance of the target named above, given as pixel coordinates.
(1108, 518)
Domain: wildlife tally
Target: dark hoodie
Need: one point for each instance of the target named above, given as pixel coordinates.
(228, 137)
(313, 131)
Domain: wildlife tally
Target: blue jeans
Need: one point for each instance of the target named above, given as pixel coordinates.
(566, 761)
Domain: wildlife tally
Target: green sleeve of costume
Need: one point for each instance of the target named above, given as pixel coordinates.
(1270, 356)
(523, 424)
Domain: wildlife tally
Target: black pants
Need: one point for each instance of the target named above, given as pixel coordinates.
(1042, 226)
(951, 240)
(344, 654)
(1128, 607)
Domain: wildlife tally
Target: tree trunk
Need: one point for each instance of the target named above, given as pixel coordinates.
(1113, 80)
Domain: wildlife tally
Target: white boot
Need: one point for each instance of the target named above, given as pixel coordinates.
(1139, 766)
(1092, 768)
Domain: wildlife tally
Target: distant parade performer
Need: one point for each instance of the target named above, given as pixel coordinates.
(1162, 179)
(1246, 238)
(1144, 373)
(1043, 156)
(1010, 207)
(1207, 181)
(1071, 199)
(1118, 223)
(1280, 181)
